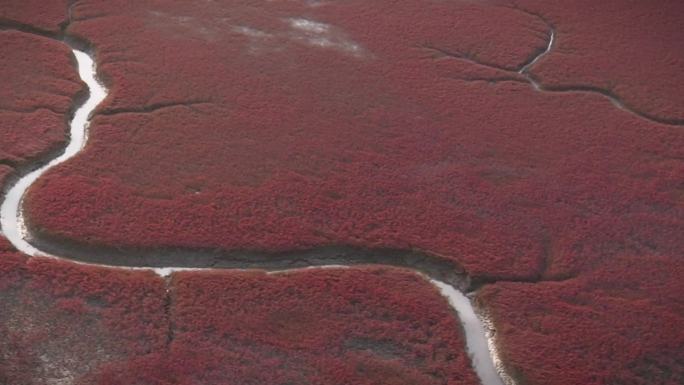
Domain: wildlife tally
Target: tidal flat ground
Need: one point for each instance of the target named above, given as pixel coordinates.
(260, 192)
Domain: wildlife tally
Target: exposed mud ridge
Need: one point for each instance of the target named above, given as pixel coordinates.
(441, 267)
(426, 263)
(153, 107)
(522, 74)
(12, 25)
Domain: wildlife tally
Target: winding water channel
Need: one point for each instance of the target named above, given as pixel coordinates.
(478, 333)
(478, 327)
(11, 215)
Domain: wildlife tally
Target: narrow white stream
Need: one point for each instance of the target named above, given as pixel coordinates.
(480, 346)
(11, 215)
(526, 67)
(479, 342)
(524, 70)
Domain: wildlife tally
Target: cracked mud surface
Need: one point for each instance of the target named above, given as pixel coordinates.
(300, 142)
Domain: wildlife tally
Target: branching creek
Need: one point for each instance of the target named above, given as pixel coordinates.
(449, 279)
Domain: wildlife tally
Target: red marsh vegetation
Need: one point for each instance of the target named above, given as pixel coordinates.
(287, 126)
(277, 126)
(39, 85)
(619, 324)
(364, 326)
(92, 325)
(36, 14)
(60, 321)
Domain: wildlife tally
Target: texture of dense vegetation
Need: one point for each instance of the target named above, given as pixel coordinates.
(277, 126)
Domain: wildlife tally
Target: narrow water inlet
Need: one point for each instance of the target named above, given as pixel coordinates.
(12, 223)
(11, 214)
(552, 35)
(479, 343)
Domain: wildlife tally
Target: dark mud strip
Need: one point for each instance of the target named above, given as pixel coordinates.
(431, 265)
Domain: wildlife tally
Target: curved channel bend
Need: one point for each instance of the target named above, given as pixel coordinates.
(11, 214)
(478, 335)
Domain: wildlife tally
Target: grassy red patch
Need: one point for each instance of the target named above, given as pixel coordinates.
(294, 124)
(247, 128)
(357, 326)
(60, 321)
(618, 325)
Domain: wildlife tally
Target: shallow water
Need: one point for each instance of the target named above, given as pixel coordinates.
(477, 340)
